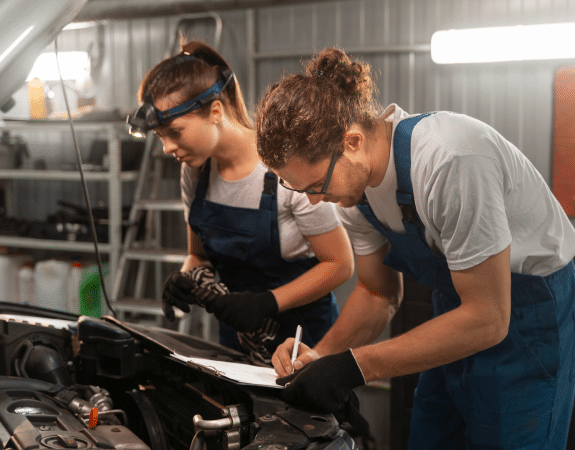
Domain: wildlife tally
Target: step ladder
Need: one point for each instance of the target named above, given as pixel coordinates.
(147, 207)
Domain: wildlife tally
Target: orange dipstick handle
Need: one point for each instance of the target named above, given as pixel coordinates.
(93, 419)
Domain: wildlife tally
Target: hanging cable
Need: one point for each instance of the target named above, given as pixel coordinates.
(84, 185)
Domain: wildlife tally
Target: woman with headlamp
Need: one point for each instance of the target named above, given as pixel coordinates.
(279, 256)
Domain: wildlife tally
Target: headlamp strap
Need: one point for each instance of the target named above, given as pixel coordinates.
(147, 116)
(193, 104)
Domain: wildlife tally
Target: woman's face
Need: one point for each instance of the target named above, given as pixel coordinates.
(191, 138)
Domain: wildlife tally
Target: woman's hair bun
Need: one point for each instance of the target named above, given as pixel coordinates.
(352, 77)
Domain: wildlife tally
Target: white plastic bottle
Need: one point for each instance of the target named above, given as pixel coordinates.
(73, 298)
(51, 284)
(26, 287)
(9, 266)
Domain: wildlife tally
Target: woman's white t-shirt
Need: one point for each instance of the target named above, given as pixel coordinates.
(297, 217)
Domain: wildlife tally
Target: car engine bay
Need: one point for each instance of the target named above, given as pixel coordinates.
(60, 371)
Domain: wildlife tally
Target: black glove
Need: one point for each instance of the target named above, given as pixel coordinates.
(324, 384)
(244, 311)
(176, 291)
(197, 286)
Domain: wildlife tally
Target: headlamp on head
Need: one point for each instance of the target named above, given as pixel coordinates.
(147, 116)
(144, 118)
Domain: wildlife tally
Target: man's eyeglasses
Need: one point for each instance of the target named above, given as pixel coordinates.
(325, 185)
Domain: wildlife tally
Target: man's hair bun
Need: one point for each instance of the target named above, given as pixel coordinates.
(307, 116)
(352, 77)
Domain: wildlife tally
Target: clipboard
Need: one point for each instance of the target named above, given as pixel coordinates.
(245, 374)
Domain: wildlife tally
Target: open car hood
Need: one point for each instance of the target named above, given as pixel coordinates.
(27, 28)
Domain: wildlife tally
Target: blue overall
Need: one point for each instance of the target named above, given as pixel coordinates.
(516, 395)
(243, 244)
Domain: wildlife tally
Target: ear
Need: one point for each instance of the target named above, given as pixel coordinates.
(353, 141)
(217, 111)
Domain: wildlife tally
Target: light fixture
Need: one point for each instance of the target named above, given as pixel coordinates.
(83, 25)
(72, 64)
(496, 44)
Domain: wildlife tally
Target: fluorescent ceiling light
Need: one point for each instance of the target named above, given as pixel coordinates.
(81, 25)
(516, 43)
(72, 64)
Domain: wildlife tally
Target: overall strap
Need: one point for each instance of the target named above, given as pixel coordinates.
(270, 190)
(203, 180)
(269, 203)
(365, 208)
(402, 155)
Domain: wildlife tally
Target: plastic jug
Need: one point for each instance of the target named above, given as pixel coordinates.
(9, 267)
(91, 291)
(26, 287)
(51, 284)
(74, 279)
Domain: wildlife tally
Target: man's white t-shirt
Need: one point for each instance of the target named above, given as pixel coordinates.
(475, 193)
(297, 218)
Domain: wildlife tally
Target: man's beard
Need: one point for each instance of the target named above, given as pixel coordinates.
(358, 176)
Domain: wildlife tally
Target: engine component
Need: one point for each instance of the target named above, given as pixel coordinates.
(100, 398)
(17, 338)
(43, 362)
(31, 419)
(160, 402)
(235, 417)
(93, 420)
(143, 419)
(106, 351)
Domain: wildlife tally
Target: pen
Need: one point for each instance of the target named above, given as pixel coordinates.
(296, 345)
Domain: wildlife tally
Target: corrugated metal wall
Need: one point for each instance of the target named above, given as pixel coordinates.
(515, 98)
(393, 35)
(260, 45)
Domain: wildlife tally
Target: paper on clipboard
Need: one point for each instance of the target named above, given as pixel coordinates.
(242, 373)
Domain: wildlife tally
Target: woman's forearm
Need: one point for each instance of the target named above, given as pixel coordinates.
(312, 285)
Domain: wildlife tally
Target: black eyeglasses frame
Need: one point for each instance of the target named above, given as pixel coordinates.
(323, 191)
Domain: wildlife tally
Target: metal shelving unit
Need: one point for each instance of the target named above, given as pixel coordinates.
(113, 176)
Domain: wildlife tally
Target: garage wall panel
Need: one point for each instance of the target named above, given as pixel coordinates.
(515, 98)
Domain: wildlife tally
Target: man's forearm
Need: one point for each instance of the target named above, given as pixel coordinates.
(480, 322)
(442, 340)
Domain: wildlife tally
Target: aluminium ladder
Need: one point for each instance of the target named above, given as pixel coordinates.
(148, 249)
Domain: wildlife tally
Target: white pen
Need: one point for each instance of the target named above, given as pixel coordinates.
(296, 345)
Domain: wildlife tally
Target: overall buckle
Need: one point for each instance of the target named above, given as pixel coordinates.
(407, 206)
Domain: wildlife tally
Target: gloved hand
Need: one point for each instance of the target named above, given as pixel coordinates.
(244, 311)
(324, 384)
(176, 291)
(197, 286)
